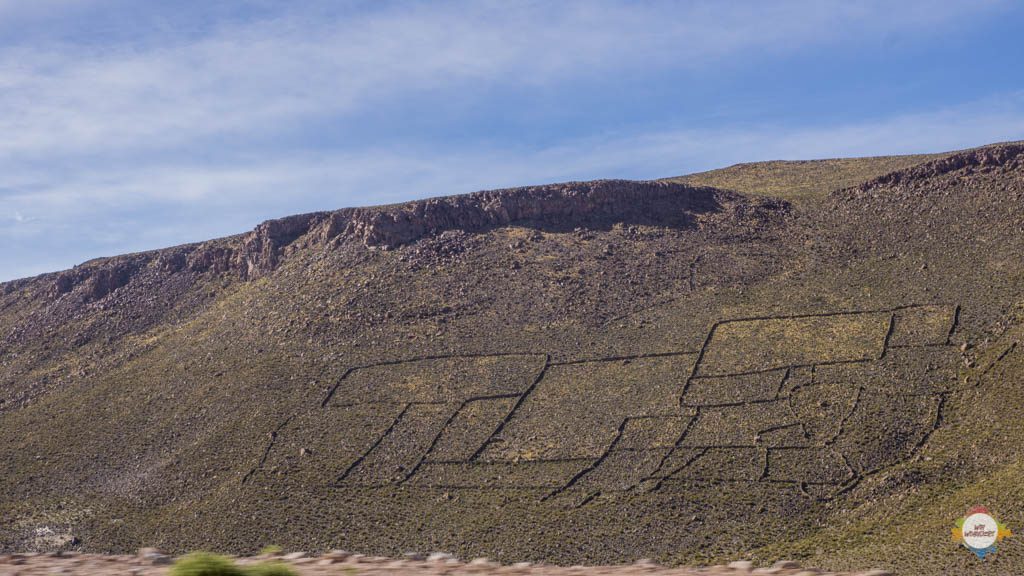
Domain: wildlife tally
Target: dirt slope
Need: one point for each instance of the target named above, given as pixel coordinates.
(585, 372)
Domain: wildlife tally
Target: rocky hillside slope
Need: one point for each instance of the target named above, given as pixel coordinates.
(576, 373)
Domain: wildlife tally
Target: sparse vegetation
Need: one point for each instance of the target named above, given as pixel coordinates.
(271, 550)
(269, 569)
(205, 564)
(802, 180)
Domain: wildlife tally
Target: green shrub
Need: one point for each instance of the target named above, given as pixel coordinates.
(269, 569)
(271, 550)
(205, 564)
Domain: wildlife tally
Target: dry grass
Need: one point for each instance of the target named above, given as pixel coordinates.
(802, 180)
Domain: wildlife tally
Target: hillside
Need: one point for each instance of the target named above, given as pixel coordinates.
(801, 180)
(583, 372)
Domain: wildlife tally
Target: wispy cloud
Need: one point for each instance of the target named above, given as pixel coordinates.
(185, 130)
(255, 77)
(232, 196)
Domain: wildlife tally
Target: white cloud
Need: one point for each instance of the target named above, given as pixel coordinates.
(22, 219)
(255, 77)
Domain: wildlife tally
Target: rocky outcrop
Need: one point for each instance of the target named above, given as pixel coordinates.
(569, 205)
(1006, 156)
(99, 281)
(248, 255)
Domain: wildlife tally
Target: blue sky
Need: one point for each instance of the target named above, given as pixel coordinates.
(128, 125)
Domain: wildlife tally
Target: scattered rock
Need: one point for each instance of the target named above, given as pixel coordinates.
(342, 554)
(293, 556)
(153, 556)
(741, 565)
(334, 557)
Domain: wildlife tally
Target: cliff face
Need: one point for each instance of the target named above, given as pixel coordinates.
(563, 205)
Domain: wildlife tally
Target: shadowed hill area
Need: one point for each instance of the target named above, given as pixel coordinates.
(576, 373)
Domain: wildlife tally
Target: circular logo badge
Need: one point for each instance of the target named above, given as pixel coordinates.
(979, 531)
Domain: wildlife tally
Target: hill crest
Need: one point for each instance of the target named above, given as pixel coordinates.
(563, 206)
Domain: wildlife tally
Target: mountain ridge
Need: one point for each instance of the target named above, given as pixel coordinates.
(390, 225)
